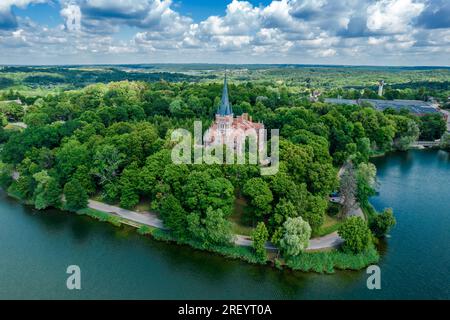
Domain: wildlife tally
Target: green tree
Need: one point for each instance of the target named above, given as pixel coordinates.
(366, 182)
(3, 120)
(315, 213)
(297, 159)
(283, 210)
(47, 192)
(69, 157)
(6, 173)
(36, 119)
(107, 160)
(276, 236)
(174, 216)
(76, 196)
(260, 195)
(348, 188)
(201, 191)
(407, 132)
(382, 223)
(260, 236)
(432, 127)
(178, 108)
(86, 180)
(13, 111)
(129, 186)
(214, 229)
(26, 184)
(296, 234)
(445, 142)
(175, 176)
(356, 234)
(218, 229)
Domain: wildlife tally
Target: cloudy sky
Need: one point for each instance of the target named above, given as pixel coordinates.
(367, 32)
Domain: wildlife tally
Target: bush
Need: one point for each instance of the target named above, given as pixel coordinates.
(76, 196)
(356, 234)
(327, 262)
(6, 172)
(382, 223)
(145, 230)
(229, 251)
(101, 216)
(260, 236)
(296, 234)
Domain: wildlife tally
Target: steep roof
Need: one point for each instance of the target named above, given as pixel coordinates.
(225, 108)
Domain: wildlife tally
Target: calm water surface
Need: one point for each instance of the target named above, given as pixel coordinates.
(36, 248)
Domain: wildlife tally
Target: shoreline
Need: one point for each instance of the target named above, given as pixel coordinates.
(318, 261)
(149, 219)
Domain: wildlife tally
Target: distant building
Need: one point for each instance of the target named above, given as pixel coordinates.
(228, 129)
(380, 87)
(314, 96)
(17, 101)
(416, 107)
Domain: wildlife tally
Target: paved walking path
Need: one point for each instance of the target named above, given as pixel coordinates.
(332, 240)
(150, 219)
(147, 218)
(356, 211)
(329, 241)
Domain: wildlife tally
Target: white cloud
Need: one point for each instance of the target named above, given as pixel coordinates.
(8, 20)
(393, 16)
(327, 53)
(302, 31)
(72, 15)
(5, 5)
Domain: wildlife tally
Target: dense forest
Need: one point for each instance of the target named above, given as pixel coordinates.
(73, 78)
(346, 81)
(112, 142)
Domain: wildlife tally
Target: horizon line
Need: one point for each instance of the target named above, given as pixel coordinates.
(220, 64)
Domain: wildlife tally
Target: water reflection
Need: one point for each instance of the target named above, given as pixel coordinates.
(443, 156)
(119, 263)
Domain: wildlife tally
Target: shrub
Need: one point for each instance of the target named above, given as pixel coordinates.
(356, 234)
(382, 223)
(327, 262)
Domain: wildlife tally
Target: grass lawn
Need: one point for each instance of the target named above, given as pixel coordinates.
(330, 225)
(239, 220)
(143, 205)
(97, 197)
(10, 126)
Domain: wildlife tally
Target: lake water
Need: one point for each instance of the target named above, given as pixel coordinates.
(37, 247)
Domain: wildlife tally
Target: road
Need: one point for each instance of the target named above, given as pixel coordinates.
(150, 219)
(332, 240)
(146, 218)
(356, 211)
(329, 241)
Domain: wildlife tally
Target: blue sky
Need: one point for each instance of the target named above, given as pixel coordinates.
(363, 32)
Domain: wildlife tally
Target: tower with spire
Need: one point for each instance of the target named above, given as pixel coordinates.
(227, 126)
(224, 115)
(225, 108)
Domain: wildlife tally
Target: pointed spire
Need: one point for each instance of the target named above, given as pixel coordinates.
(225, 108)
